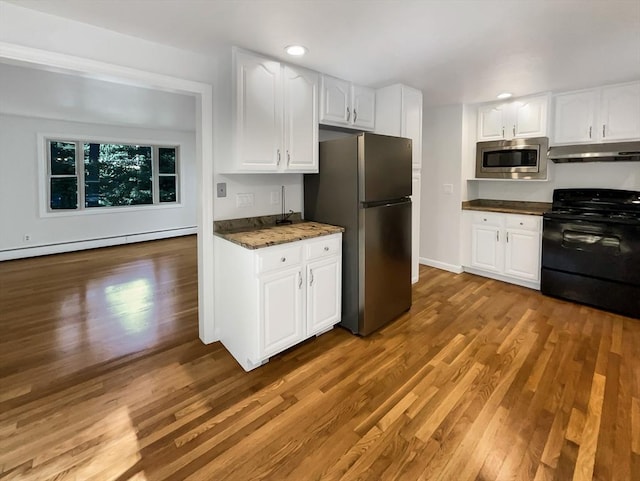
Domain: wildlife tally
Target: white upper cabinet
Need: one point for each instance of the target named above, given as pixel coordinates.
(335, 100)
(399, 113)
(620, 112)
(300, 119)
(604, 114)
(525, 117)
(574, 117)
(364, 107)
(276, 116)
(258, 112)
(346, 105)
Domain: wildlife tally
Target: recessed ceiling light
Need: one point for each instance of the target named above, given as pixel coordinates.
(504, 95)
(296, 50)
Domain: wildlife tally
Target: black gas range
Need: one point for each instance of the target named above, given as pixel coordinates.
(591, 249)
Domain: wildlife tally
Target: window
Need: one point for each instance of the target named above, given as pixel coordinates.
(87, 175)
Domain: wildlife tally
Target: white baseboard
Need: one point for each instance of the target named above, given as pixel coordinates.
(441, 265)
(45, 250)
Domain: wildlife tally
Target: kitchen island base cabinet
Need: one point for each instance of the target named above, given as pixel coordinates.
(506, 247)
(270, 299)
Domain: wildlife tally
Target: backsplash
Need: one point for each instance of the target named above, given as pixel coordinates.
(253, 195)
(619, 175)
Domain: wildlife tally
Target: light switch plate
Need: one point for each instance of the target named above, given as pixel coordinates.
(221, 189)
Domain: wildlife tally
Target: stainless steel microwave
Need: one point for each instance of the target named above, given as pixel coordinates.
(512, 159)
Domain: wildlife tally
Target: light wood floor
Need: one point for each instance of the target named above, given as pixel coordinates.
(103, 378)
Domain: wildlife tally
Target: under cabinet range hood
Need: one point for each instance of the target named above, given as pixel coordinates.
(611, 152)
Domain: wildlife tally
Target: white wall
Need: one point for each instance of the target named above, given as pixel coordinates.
(20, 194)
(441, 164)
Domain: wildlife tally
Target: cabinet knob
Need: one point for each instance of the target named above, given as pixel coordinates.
(283, 259)
(484, 220)
(521, 223)
(326, 249)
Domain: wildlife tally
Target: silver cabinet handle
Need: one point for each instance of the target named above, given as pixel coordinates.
(590, 129)
(497, 236)
(348, 114)
(299, 280)
(283, 259)
(507, 237)
(355, 116)
(288, 158)
(503, 132)
(603, 135)
(311, 275)
(278, 157)
(514, 130)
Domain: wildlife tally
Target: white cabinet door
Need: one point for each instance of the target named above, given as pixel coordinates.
(335, 99)
(364, 107)
(530, 117)
(280, 311)
(620, 112)
(258, 113)
(522, 254)
(300, 120)
(485, 248)
(324, 286)
(412, 122)
(574, 117)
(491, 122)
(415, 227)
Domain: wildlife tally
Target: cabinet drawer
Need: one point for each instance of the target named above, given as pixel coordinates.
(484, 218)
(525, 222)
(279, 258)
(326, 246)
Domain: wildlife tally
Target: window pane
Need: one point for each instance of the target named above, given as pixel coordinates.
(167, 188)
(117, 174)
(64, 193)
(167, 160)
(63, 158)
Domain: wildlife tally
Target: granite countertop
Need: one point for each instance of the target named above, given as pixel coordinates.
(507, 206)
(258, 232)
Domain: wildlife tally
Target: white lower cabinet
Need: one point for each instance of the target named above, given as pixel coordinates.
(267, 300)
(503, 246)
(280, 310)
(323, 294)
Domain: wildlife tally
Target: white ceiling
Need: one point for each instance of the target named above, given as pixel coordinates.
(454, 50)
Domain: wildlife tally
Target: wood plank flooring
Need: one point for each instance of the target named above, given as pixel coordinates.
(103, 377)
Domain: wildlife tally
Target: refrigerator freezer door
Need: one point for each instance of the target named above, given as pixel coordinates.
(385, 264)
(384, 165)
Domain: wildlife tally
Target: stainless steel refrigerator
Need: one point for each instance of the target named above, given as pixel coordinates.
(364, 185)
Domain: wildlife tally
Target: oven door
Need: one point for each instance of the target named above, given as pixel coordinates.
(602, 250)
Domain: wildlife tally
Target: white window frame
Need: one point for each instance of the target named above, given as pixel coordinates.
(45, 174)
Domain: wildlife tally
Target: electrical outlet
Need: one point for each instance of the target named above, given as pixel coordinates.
(244, 200)
(448, 188)
(221, 189)
(275, 197)
(27, 237)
